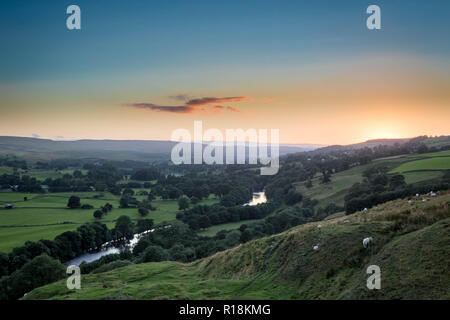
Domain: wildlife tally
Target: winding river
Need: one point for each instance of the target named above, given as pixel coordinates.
(108, 248)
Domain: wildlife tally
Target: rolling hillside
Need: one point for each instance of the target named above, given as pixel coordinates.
(415, 168)
(411, 246)
(44, 149)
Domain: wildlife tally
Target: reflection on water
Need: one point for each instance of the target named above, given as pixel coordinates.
(258, 198)
(107, 248)
(89, 257)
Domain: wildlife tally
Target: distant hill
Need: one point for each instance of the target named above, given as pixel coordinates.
(111, 149)
(436, 142)
(411, 245)
(34, 148)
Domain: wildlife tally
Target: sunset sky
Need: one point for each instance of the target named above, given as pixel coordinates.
(141, 69)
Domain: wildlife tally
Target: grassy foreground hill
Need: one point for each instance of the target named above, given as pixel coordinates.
(411, 246)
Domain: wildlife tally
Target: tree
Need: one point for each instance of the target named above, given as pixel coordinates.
(98, 214)
(128, 192)
(397, 181)
(74, 202)
(36, 273)
(308, 184)
(195, 200)
(293, 197)
(146, 174)
(422, 148)
(144, 225)
(246, 235)
(233, 238)
(124, 227)
(77, 174)
(179, 253)
(143, 212)
(154, 254)
(124, 202)
(183, 202)
(326, 177)
(4, 264)
(141, 246)
(204, 222)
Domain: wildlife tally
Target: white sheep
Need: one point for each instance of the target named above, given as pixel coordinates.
(346, 221)
(316, 247)
(409, 201)
(367, 241)
(365, 209)
(319, 226)
(417, 195)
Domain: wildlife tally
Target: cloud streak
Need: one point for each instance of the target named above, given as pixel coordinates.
(205, 104)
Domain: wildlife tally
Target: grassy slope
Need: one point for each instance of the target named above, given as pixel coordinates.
(46, 216)
(430, 166)
(437, 163)
(212, 231)
(411, 246)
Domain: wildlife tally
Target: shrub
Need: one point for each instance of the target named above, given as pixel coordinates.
(143, 212)
(74, 202)
(35, 273)
(154, 254)
(98, 214)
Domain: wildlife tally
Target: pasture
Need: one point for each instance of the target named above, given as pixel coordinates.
(415, 168)
(211, 231)
(435, 163)
(44, 216)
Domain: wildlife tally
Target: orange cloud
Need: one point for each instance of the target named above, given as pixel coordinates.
(192, 105)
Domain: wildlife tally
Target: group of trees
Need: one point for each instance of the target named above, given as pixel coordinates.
(13, 162)
(98, 214)
(15, 267)
(378, 187)
(44, 255)
(24, 183)
(204, 216)
(176, 241)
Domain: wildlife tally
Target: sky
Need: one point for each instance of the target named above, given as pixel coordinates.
(142, 69)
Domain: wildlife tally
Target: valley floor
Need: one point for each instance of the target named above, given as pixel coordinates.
(411, 246)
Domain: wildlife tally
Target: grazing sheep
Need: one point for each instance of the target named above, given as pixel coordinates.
(365, 209)
(409, 201)
(367, 242)
(433, 194)
(346, 221)
(417, 195)
(424, 200)
(316, 248)
(319, 226)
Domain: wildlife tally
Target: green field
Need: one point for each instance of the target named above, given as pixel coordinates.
(436, 163)
(45, 216)
(411, 255)
(430, 164)
(418, 176)
(211, 231)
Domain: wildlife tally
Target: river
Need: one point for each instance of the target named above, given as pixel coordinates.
(109, 248)
(258, 198)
